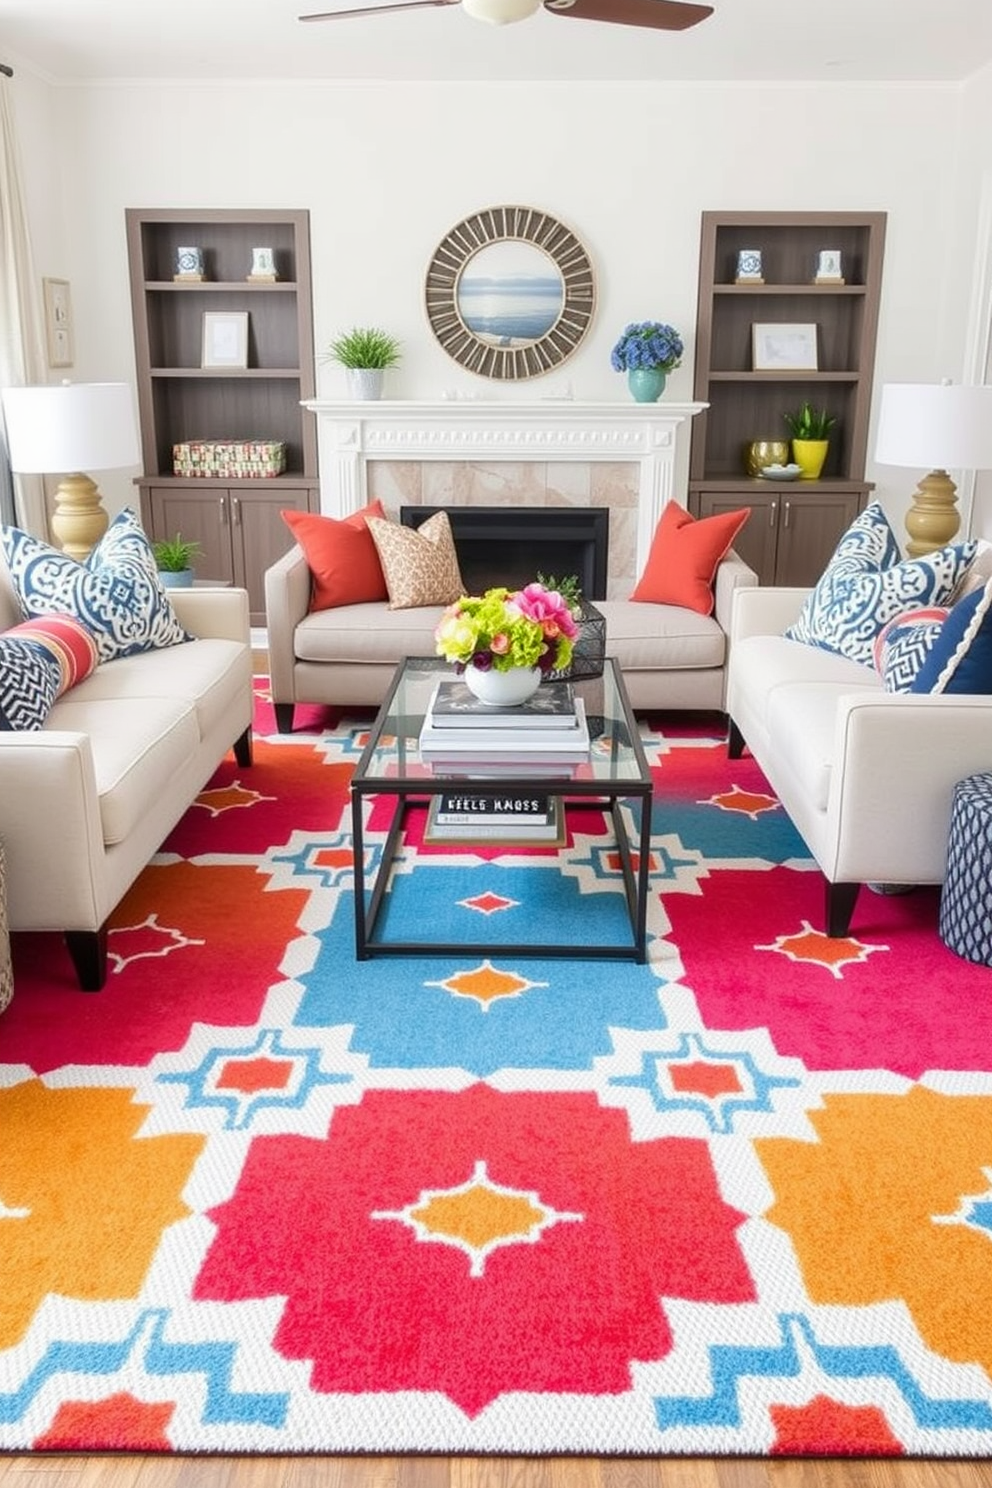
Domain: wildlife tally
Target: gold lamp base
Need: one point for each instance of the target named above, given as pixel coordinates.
(79, 521)
(933, 518)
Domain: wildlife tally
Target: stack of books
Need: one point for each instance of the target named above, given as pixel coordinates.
(546, 734)
(524, 817)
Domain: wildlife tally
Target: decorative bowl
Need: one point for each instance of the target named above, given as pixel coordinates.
(762, 452)
(780, 472)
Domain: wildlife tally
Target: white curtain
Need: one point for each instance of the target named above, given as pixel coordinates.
(22, 355)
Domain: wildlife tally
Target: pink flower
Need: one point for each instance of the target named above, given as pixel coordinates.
(544, 605)
(500, 644)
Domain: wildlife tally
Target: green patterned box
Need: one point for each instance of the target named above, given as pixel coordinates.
(229, 458)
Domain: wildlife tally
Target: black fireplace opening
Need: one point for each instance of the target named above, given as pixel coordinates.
(511, 545)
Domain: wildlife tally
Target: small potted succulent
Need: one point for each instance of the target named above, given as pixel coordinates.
(174, 561)
(365, 352)
(810, 430)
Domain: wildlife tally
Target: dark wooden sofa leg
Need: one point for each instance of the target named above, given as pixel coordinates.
(88, 949)
(840, 902)
(284, 717)
(735, 740)
(242, 748)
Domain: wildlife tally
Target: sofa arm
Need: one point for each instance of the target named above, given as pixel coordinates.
(732, 574)
(287, 600)
(764, 611)
(51, 829)
(215, 614)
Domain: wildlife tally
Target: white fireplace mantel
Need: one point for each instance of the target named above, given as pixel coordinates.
(352, 433)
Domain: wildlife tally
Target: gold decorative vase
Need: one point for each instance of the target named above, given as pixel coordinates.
(762, 452)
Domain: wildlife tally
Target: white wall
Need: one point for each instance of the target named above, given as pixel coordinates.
(387, 170)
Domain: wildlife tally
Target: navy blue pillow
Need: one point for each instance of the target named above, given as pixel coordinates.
(960, 658)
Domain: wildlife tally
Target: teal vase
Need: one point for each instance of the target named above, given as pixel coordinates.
(646, 383)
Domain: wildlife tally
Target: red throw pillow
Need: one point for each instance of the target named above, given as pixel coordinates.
(684, 557)
(341, 556)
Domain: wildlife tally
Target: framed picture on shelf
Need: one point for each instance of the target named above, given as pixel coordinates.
(225, 338)
(58, 322)
(783, 348)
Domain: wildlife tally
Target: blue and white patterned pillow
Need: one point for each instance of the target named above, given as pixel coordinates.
(959, 660)
(116, 593)
(865, 587)
(29, 683)
(904, 645)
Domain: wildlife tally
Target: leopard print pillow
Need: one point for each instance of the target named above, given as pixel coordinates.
(420, 564)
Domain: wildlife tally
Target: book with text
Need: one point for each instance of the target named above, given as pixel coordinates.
(515, 807)
(546, 833)
(454, 706)
(513, 740)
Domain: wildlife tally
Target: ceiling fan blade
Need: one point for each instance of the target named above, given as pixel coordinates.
(366, 10)
(661, 15)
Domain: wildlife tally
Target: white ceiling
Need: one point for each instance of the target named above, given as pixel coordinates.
(744, 40)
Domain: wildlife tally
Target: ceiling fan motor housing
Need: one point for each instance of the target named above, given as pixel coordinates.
(500, 12)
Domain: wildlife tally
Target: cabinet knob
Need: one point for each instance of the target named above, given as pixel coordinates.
(773, 514)
(785, 515)
(235, 511)
(223, 509)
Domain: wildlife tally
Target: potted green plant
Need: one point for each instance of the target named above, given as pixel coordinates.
(174, 561)
(810, 430)
(365, 352)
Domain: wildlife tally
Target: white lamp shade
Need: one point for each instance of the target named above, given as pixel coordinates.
(935, 426)
(73, 427)
(500, 12)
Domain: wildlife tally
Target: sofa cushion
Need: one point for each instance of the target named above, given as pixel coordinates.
(904, 644)
(209, 674)
(959, 658)
(653, 637)
(861, 590)
(366, 633)
(341, 556)
(116, 593)
(684, 556)
(138, 748)
(762, 665)
(420, 564)
(39, 661)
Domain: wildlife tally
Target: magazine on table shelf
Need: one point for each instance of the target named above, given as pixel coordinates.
(546, 833)
(572, 742)
(454, 706)
(456, 808)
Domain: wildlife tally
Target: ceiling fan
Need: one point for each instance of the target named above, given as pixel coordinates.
(658, 15)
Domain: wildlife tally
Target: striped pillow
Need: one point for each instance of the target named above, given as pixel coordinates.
(39, 661)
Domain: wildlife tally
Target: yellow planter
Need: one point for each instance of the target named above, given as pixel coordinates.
(809, 455)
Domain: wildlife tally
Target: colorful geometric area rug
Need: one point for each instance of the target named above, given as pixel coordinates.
(258, 1197)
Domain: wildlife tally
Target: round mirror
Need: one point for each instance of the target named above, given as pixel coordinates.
(510, 293)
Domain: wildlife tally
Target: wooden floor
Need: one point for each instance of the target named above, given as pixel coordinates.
(482, 1472)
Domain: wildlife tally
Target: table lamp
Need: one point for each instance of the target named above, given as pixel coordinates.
(67, 429)
(941, 427)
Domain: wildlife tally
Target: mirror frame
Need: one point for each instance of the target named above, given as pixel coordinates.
(507, 224)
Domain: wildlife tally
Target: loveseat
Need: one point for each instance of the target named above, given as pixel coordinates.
(672, 657)
(866, 774)
(88, 798)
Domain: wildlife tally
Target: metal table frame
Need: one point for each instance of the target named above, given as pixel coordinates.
(579, 794)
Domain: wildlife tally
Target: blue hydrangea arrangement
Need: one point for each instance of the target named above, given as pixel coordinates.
(647, 343)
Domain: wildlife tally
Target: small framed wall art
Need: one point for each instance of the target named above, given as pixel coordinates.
(783, 348)
(225, 339)
(58, 322)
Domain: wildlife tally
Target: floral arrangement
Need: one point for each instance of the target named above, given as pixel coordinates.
(532, 627)
(647, 343)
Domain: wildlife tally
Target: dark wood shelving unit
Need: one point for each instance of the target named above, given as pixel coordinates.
(794, 526)
(237, 522)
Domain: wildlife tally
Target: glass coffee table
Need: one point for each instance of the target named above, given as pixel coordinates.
(614, 772)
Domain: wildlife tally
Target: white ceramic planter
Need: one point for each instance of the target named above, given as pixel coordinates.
(502, 689)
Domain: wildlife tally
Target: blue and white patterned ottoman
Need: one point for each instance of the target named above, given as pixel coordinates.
(966, 898)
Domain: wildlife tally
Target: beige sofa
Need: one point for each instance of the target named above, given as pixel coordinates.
(86, 800)
(670, 657)
(866, 775)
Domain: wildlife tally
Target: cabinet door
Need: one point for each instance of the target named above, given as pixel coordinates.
(260, 536)
(756, 542)
(810, 526)
(201, 516)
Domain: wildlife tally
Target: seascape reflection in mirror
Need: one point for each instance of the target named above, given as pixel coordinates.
(510, 294)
